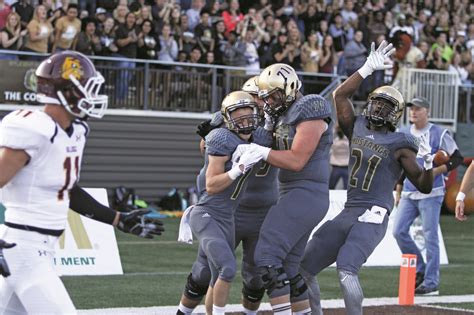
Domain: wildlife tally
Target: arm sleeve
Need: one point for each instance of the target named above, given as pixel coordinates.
(217, 143)
(81, 202)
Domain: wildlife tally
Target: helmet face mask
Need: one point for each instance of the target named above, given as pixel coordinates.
(384, 107)
(70, 79)
(243, 123)
(275, 104)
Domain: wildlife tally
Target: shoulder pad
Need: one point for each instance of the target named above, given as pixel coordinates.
(32, 122)
(407, 141)
(222, 142)
(263, 137)
(27, 130)
(308, 107)
(217, 120)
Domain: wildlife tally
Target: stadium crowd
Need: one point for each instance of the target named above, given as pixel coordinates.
(310, 35)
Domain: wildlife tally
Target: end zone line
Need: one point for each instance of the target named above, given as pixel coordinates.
(326, 304)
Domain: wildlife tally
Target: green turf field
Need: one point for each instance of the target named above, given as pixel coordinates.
(156, 270)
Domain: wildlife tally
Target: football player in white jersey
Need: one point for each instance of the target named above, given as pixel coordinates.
(40, 158)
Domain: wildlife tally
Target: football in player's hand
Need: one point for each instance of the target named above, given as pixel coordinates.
(441, 157)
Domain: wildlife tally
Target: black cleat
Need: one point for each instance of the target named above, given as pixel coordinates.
(422, 290)
(420, 277)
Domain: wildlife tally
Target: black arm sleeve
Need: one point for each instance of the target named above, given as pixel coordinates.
(455, 160)
(83, 203)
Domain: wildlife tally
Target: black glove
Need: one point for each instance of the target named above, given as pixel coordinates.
(204, 128)
(4, 270)
(136, 223)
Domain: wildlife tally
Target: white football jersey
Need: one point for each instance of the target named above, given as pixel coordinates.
(38, 195)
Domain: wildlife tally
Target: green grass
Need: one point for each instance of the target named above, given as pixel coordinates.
(156, 270)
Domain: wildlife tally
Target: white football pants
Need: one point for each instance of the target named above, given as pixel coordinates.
(33, 286)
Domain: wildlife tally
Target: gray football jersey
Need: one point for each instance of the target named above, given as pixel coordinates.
(373, 168)
(262, 189)
(309, 107)
(223, 142)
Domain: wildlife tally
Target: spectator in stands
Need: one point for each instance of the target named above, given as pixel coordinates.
(233, 54)
(194, 13)
(286, 11)
(310, 19)
(144, 13)
(232, 17)
(11, 36)
(108, 37)
(59, 11)
(87, 41)
(203, 33)
(428, 32)
(445, 50)
(25, 10)
(281, 51)
(355, 54)
(174, 22)
(250, 51)
(187, 42)
(220, 41)
(377, 26)
(100, 16)
(126, 41)
(67, 27)
(329, 57)
(169, 46)
(148, 43)
(120, 14)
(215, 12)
(39, 32)
(338, 32)
(348, 13)
(4, 12)
(456, 67)
(311, 53)
(294, 40)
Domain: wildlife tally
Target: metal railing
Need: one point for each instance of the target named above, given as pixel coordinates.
(441, 88)
(156, 85)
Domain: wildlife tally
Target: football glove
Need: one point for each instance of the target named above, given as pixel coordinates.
(204, 128)
(136, 222)
(376, 59)
(248, 159)
(4, 270)
(424, 151)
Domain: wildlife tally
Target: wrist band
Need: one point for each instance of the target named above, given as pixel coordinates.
(428, 165)
(234, 172)
(460, 196)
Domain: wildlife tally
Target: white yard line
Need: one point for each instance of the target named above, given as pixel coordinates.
(336, 303)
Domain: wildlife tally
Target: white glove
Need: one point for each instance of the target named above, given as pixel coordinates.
(376, 59)
(249, 159)
(424, 151)
(241, 148)
(235, 171)
(261, 150)
(268, 123)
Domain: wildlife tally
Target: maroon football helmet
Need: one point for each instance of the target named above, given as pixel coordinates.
(70, 79)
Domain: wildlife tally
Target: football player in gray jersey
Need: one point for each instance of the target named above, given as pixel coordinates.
(212, 220)
(303, 137)
(379, 155)
(261, 194)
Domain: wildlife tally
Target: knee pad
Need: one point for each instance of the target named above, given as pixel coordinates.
(274, 278)
(228, 271)
(352, 292)
(253, 295)
(193, 290)
(298, 289)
